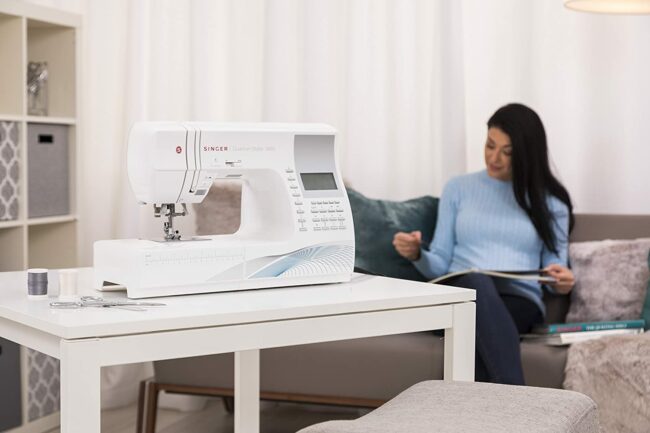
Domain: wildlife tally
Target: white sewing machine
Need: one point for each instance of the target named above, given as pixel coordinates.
(296, 224)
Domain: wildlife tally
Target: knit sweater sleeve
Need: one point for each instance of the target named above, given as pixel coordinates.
(435, 260)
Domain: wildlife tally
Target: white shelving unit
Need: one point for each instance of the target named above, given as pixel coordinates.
(31, 33)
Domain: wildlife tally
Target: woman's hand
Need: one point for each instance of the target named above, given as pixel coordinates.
(564, 278)
(408, 244)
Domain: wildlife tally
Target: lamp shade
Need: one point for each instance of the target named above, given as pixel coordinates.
(610, 6)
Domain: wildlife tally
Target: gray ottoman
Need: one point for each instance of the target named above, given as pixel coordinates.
(450, 407)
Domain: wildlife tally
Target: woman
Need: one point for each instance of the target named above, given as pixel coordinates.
(515, 215)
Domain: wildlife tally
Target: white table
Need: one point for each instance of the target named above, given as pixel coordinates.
(242, 322)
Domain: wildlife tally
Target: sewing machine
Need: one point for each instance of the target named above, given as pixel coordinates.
(296, 224)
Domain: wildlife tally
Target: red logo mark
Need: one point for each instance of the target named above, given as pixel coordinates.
(179, 149)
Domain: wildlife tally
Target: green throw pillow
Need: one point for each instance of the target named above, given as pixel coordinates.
(645, 314)
(375, 224)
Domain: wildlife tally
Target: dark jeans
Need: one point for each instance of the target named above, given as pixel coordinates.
(499, 321)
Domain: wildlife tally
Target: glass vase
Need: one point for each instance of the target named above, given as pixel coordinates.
(37, 88)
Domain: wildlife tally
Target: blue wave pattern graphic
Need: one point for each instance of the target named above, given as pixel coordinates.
(316, 260)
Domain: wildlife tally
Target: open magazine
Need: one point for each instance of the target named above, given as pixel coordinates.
(531, 275)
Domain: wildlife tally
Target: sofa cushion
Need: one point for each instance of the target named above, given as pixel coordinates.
(375, 224)
(557, 307)
(611, 279)
(543, 365)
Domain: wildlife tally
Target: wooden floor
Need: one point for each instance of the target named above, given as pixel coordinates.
(275, 418)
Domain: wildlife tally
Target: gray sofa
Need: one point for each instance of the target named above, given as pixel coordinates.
(368, 372)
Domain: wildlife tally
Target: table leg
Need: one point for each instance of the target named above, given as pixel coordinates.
(80, 388)
(460, 343)
(247, 391)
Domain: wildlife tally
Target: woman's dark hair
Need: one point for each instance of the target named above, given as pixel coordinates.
(532, 180)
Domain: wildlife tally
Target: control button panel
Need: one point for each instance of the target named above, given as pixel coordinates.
(298, 203)
(324, 215)
(316, 215)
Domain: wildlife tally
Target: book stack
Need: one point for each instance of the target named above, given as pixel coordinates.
(561, 334)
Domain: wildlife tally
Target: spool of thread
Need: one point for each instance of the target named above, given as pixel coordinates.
(37, 283)
(67, 284)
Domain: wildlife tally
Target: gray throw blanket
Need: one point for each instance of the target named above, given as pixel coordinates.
(615, 373)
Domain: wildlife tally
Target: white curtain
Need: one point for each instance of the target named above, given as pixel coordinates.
(381, 72)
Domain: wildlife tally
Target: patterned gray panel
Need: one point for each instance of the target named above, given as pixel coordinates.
(9, 170)
(43, 394)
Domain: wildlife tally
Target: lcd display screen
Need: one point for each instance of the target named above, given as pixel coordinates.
(318, 181)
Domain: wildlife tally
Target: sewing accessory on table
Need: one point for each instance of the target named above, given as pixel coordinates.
(67, 284)
(37, 283)
(97, 302)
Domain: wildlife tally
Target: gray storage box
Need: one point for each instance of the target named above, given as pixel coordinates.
(48, 161)
(10, 396)
(9, 170)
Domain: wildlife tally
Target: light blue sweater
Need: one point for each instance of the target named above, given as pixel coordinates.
(480, 225)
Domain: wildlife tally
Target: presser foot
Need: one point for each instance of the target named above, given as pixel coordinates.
(168, 210)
